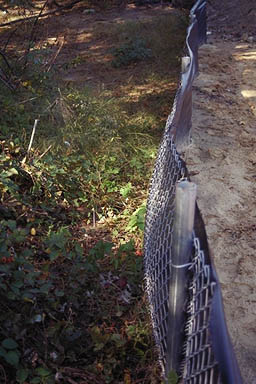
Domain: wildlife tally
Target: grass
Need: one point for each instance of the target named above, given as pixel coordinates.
(73, 309)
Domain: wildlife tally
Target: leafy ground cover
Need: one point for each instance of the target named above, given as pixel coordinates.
(73, 196)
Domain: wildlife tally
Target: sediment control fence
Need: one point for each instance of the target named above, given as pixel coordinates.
(181, 282)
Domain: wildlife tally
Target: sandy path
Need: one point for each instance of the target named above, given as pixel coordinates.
(222, 160)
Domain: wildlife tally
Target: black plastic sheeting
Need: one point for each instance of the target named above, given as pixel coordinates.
(220, 341)
(159, 220)
(179, 122)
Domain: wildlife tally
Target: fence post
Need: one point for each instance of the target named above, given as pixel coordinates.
(184, 124)
(178, 267)
(185, 63)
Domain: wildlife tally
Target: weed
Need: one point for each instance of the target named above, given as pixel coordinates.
(137, 219)
(72, 302)
(172, 377)
(130, 52)
(161, 39)
(45, 280)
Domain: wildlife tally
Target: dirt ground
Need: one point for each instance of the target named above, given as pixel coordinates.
(222, 160)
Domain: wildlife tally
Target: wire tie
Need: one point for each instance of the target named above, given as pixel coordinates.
(182, 265)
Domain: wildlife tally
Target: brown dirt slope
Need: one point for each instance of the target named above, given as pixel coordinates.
(222, 159)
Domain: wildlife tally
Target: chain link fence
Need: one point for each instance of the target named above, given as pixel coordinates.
(158, 237)
(204, 354)
(200, 364)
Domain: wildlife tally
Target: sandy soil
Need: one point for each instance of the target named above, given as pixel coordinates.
(222, 160)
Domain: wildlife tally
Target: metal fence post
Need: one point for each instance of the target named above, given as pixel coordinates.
(179, 262)
(185, 63)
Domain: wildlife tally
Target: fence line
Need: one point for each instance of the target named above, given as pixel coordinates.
(204, 353)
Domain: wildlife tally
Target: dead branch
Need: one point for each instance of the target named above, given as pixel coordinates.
(5, 59)
(31, 141)
(32, 135)
(7, 82)
(62, 40)
(46, 151)
(24, 19)
(9, 38)
(33, 32)
(4, 374)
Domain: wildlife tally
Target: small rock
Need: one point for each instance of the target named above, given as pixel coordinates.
(245, 37)
(252, 158)
(89, 11)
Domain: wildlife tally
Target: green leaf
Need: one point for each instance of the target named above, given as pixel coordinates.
(115, 171)
(2, 352)
(172, 377)
(18, 284)
(54, 255)
(125, 191)
(132, 222)
(11, 172)
(79, 250)
(11, 224)
(119, 341)
(36, 380)
(42, 372)
(11, 295)
(45, 288)
(9, 344)
(37, 319)
(59, 293)
(12, 357)
(101, 249)
(3, 286)
(58, 239)
(137, 219)
(14, 289)
(127, 247)
(22, 375)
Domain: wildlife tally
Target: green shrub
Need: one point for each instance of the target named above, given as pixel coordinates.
(130, 52)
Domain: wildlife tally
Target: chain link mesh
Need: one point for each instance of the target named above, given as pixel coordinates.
(199, 365)
(158, 236)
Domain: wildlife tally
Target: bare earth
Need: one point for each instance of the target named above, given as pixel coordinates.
(222, 160)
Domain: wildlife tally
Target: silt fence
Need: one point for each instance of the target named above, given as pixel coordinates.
(182, 285)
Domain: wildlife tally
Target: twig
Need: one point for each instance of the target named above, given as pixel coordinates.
(70, 380)
(5, 60)
(4, 374)
(6, 81)
(25, 101)
(44, 153)
(31, 141)
(9, 38)
(68, 6)
(56, 54)
(32, 135)
(33, 32)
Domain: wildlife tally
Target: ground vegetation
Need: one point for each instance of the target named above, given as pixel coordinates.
(84, 99)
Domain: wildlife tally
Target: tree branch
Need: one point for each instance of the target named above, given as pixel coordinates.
(33, 32)
(67, 6)
(5, 60)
